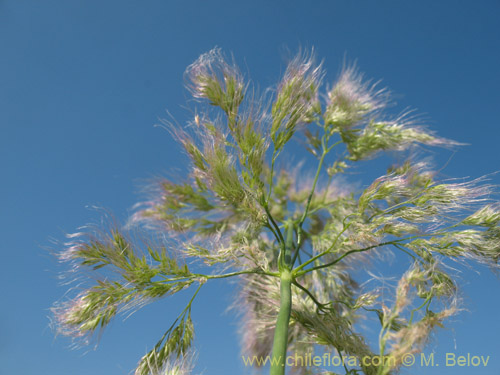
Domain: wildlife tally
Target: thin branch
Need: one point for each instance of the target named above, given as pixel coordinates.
(321, 306)
(345, 227)
(222, 276)
(273, 160)
(341, 257)
(309, 198)
(281, 240)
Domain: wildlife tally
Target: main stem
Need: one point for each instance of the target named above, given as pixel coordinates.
(281, 331)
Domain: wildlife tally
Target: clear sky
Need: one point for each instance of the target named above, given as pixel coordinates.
(82, 84)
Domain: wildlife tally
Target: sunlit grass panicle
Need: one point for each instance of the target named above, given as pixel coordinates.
(487, 216)
(216, 174)
(425, 297)
(296, 99)
(211, 77)
(352, 100)
(125, 278)
(170, 366)
(173, 350)
(354, 110)
(380, 135)
(258, 304)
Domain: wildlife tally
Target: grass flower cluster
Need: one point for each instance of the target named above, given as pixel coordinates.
(302, 250)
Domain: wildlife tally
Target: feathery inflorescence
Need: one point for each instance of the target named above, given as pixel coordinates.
(237, 213)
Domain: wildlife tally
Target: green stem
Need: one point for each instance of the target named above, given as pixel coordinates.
(309, 198)
(285, 261)
(427, 300)
(326, 150)
(275, 156)
(280, 238)
(281, 331)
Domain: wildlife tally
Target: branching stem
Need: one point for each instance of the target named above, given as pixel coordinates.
(281, 331)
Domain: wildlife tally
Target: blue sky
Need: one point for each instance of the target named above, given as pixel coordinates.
(82, 84)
